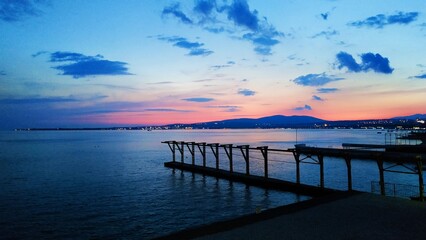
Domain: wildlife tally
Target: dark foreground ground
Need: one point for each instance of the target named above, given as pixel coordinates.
(337, 216)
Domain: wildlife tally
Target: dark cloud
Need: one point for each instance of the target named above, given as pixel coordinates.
(198, 99)
(187, 44)
(346, 60)
(317, 98)
(79, 65)
(175, 11)
(239, 12)
(246, 92)
(422, 76)
(2, 73)
(370, 61)
(17, 10)
(327, 90)
(381, 20)
(324, 15)
(204, 7)
(306, 107)
(260, 33)
(193, 47)
(315, 79)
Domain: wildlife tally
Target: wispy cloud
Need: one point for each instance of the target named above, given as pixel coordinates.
(327, 90)
(195, 48)
(79, 65)
(166, 110)
(317, 98)
(198, 99)
(370, 61)
(18, 10)
(315, 79)
(306, 107)
(2, 73)
(175, 11)
(227, 108)
(327, 34)
(49, 100)
(246, 92)
(206, 14)
(382, 20)
(227, 65)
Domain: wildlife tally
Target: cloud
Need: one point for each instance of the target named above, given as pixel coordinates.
(18, 10)
(166, 110)
(2, 73)
(370, 61)
(181, 42)
(239, 12)
(382, 20)
(228, 64)
(346, 60)
(326, 34)
(317, 98)
(306, 107)
(204, 7)
(49, 100)
(199, 52)
(325, 15)
(327, 90)
(175, 11)
(227, 108)
(246, 92)
(211, 17)
(198, 99)
(315, 79)
(79, 65)
(422, 76)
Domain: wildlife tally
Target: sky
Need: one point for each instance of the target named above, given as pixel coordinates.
(78, 63)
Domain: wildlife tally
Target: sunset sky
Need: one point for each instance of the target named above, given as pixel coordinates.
(79, 63)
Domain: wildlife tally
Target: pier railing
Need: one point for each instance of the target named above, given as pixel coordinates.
(396, 162)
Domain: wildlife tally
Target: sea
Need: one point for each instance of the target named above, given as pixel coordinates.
(113, 184)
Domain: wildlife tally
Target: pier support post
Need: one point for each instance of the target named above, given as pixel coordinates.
(297, 159)
(192, 151)
(264, 151)
(228, 151)
(202, 149)
(246, 157)
(181, 149)
(321, 163)
(421, 184)
(215, 149)
(172, 146)
(349, 168)
(382, 176)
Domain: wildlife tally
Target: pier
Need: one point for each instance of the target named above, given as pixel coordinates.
(401, 162)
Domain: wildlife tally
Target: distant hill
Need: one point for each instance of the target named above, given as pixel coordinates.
(412, 117)
(276, 121)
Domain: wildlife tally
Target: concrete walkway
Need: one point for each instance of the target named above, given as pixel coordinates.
(348, 216)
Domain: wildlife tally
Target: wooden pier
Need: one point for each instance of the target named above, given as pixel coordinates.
(387, 161)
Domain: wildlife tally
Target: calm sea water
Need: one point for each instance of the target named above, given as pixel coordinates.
(113, 185)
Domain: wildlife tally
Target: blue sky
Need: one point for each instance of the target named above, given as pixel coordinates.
(107, 63)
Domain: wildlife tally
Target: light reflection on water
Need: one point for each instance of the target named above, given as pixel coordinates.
(112, 184)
